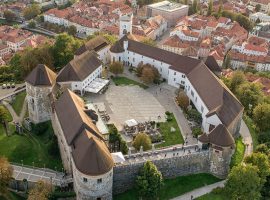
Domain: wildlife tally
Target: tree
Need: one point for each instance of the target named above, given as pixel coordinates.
(237, 79)
(31, 11)
(249, 94)
(116, 68)
(194, 6)
(142, 139)
(220, 8)
(5, 174)
(183, 100)
(148, 73)
(72, 30)
(261, 161)
(227, 62)
(9, 15)
(262, 148)
(63, 49)
(258, 20)
(4, 118)
(210, 7)
(261, 116)
(149, 181)
(244, 21)
(149, 42)
(258, 7)
(32, 24)
(243, 183)
(40, 191)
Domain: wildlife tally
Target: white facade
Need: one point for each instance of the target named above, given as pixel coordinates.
(174, 78)
(81, 85)
(104, 54)
(183, 36)
(56, 20)
(125, 25)
(261, 16)
(244, 50)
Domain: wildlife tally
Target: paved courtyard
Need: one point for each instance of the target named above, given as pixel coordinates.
(129, 102)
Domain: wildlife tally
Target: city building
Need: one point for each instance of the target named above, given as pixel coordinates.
(262, 17)
(171, 11)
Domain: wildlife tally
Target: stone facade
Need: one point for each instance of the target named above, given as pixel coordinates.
(39, 103)
(208, 161)
(93, 187)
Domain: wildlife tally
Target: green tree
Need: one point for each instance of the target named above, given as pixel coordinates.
(210, 7)
(249, 94)
(243, 183)
(237, 79)
(220, 8)
(149, 181)
(5, 175)
(227, 62)
(63, 49)
(194, 6)
(72, 30)
(262, 148)
(32, 24)
(244, 21)
(142, 139)
(261, 161)
(258, 7)
(116, 68)
(149, 41)
(261, 116)
(4, 118)
(31, 11)
(9, 15)
(40, 191)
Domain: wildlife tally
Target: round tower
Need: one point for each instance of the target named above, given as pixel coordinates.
(92, 168)
(39, 86)
(125, 25)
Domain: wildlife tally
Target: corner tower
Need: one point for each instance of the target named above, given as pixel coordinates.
(39, 85)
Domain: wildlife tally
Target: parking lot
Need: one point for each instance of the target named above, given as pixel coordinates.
(4, 92)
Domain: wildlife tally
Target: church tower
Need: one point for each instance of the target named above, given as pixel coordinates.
(125, 25)
(39, 85)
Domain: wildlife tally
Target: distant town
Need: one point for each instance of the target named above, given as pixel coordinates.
(135, 99)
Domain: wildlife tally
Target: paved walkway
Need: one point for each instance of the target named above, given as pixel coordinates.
(16, 118)
(200, 191)
(247, 139)
(166, 98)
(36, 174)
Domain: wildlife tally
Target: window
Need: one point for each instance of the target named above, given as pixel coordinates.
(192, 93)
(174, 79)
(183, 82)
(202, 109)
(99, 180)
(183, 76)
(133, 59)
(85, 180)
(174, 73)
(196, 99)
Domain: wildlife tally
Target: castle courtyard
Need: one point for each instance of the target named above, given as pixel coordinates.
(123, 103)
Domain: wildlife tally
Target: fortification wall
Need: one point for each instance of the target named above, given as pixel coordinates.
(125, 174)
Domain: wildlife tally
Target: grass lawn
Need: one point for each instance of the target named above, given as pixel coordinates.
(120, 80)
(17, 104)
(29, 148)
(239, 152)
(174, 187)
(252, 128)
(212, 196)
(171, 138)
(11, 196)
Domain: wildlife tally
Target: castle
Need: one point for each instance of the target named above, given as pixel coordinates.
(84, 152)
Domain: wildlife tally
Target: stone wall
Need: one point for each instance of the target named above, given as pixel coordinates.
(125, 175)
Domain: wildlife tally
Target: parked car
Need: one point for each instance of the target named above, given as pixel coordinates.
(4, 86)
(8, 85)
(13, 85)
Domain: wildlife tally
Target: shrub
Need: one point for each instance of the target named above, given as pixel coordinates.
(168, 113)
(196, 131)
(40, 128)
(142, 139)
(194, 115)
